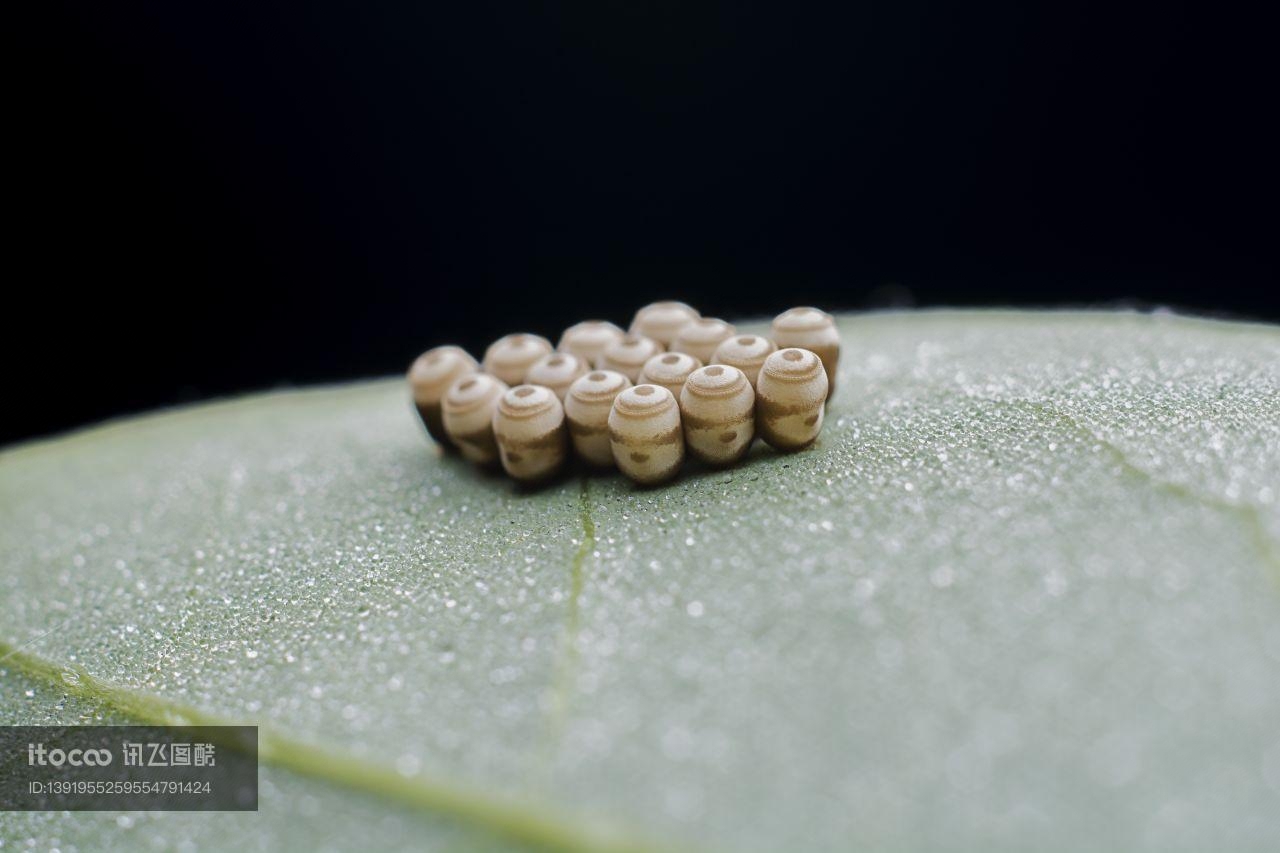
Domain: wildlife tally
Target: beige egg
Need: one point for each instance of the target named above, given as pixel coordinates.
(717, 410)
(430, 376)
(745, 352)
(670, 370)
(587, 407)
(468, 416)
(662, 321)
(510, 357)
(791, 396)
(556, 371)
(644, 432)
(628, 355)
(588, 339)
(814, 330)
(529, 427)
(701, 337)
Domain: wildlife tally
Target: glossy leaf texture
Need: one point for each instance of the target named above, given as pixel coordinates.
(1024, 593)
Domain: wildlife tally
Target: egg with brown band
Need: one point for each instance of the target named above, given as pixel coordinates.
(717, 412)
(468, 416)
(814, 330)
(430, 377)
(645, 434)
(791, 396)
(529, 427)
(586, 409)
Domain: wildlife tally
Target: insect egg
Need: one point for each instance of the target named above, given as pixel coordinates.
(701, 337)
(587, 407)
(628, 355)
(791, 396)
(814, 330)
(745, 352)
(430, 376)
(670, 370)
(717, 409)
(662, 321)
(556, 371)
(645, 435)
(588, 339)
(510, 357)
(468, 416)
(528, 425)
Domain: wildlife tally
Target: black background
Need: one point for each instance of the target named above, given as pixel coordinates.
(216, 198)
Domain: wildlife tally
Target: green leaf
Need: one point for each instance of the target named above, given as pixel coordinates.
(1024, 593)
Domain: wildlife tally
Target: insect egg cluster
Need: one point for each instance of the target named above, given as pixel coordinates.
(674, 384)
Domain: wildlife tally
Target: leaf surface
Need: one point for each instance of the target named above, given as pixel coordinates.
(1024, 593)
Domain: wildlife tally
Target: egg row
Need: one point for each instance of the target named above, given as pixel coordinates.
(662, 327)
